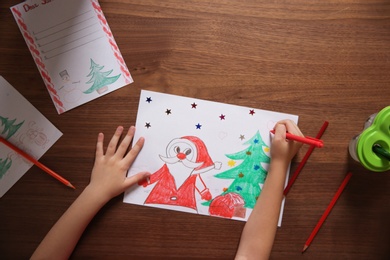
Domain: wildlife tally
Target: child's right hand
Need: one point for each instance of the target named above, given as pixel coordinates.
(281, 148)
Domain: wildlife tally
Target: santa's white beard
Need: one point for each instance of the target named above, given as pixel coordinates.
(180, 172)
(180, 169)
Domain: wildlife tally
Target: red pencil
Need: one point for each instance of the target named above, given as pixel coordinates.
(304, 160)
(306, 140)
(327, 211)
(37, 163)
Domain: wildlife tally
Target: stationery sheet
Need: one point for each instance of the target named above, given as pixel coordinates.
(205, 157)
(73, 48)
(25, 127)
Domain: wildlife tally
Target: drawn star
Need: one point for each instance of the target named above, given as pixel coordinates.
(238, 188)
(256, 167)
(240, 175)
(225, 189)
(193, 105)
(222, 117)
(231, 163)
(251, 112)
(168, 111)
(148, 125)
(242, 137)
(266, 149)
(198, 126)
(256, 141)
(149, 99)
(248, 153)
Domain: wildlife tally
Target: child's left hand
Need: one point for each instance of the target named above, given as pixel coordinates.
(108, 178)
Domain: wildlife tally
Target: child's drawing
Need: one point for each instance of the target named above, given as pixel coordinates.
(34, 135)
(69, 90)
(247, 177)
(186, 158)
(99, 78)
(5, 164)
(9, 129)
(9, 126)
(189, 180)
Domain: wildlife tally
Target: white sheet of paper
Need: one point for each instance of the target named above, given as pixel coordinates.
(25, 127)
(216, 131)
(73, 48)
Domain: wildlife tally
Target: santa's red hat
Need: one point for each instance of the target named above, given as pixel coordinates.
(203, 155)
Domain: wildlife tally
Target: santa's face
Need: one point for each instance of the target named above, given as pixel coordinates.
(181, 159)
(181, 151)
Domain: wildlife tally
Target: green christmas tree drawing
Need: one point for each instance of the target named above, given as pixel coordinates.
(4, 166)
(10, 128)
(99, 78)
(249, 174)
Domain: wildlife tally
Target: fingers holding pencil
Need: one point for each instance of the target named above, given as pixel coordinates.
(291, 127)
(279, 142)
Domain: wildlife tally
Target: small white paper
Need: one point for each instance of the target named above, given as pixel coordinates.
(25, 127)
(73, 48)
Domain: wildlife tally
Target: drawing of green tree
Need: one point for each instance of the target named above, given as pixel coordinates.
(9, 127)
(4, 166)
(249, 173)
(99, 78)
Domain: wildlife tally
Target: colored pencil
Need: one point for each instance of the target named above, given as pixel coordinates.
(380, 151)
(306, 139)
(304, 160)
(37, 163)
(327, 211)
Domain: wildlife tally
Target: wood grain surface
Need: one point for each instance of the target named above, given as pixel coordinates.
(322, 60)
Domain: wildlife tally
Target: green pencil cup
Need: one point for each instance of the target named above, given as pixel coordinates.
(371, 147)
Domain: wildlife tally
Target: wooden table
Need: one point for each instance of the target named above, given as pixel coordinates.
(321, 60)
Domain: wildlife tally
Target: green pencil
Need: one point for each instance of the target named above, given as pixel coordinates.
(380, 151)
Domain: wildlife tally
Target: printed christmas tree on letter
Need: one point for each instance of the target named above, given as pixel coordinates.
(247, 177)
(99, 78)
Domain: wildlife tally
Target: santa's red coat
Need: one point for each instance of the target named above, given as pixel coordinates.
(165, 191)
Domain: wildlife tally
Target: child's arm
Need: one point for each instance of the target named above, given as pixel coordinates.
(108, 179)
(259, 232)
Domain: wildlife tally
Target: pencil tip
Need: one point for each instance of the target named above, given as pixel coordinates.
(304, 249)
(70, 185)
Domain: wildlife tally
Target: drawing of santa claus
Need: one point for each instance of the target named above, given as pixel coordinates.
(176, 181)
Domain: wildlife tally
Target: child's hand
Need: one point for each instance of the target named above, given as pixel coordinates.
(281, 148)
(108, 178)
